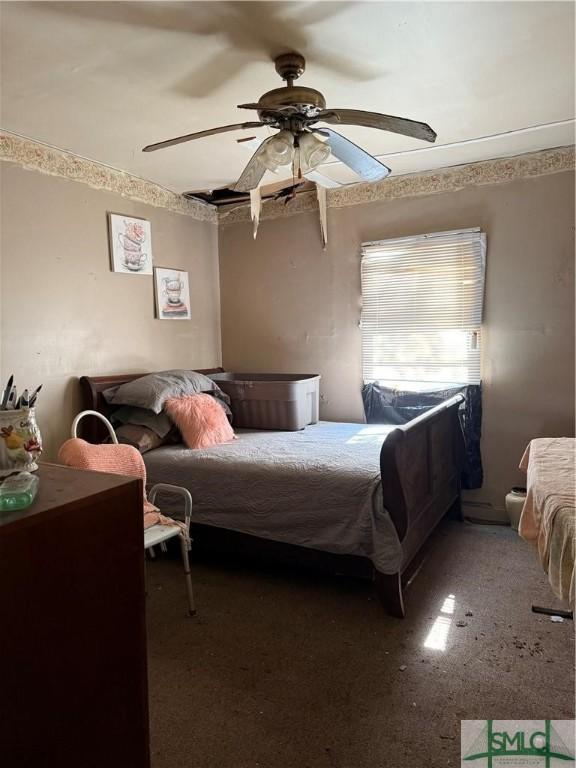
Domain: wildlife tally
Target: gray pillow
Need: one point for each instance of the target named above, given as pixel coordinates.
(153, 390)
(128, 414)
(224, 400)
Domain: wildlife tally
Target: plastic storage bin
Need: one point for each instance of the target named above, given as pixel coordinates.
(272, 400)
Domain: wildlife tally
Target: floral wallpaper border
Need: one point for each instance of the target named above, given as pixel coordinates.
(55, 162)
(451, 179)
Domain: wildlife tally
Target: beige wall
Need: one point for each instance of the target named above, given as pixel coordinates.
(289, 306)
(65, 314)
(286, 304)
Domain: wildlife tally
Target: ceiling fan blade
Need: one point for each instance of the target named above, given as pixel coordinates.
(254, 171)
(376, 120)
(199, 135)
(321, 180)
(362, 163)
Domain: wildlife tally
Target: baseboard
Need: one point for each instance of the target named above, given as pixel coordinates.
(484, 512)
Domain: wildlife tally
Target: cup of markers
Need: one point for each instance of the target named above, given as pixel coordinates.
(20, 439)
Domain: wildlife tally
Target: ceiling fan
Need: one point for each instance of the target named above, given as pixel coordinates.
(294, 112)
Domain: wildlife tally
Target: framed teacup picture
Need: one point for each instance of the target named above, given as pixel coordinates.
(172, 294)
(130, 244)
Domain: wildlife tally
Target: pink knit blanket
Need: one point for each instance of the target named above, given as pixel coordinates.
(117, 460)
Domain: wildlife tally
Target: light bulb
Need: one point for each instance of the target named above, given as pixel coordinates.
(279, 149)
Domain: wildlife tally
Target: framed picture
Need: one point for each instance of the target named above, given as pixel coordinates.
(172, 294)
(130, 244)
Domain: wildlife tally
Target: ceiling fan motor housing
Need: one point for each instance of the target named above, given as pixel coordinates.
(306, 101)
(290, 65)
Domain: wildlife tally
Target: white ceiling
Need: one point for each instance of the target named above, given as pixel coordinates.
(104, 79)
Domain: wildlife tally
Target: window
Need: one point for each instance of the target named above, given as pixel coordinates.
(422, 309)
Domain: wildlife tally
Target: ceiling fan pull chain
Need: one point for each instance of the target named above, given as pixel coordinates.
(297, 153)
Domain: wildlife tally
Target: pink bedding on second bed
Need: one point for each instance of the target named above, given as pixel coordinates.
(548, 515)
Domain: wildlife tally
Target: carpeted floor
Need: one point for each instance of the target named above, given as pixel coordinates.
(284, 669)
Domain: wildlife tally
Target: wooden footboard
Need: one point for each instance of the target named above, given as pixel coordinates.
(420, 465)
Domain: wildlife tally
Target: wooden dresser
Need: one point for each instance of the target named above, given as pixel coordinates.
(73, 678)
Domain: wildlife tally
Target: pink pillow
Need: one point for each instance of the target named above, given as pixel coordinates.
(201, 420)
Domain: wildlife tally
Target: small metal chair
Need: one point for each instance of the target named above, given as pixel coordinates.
(159, 534)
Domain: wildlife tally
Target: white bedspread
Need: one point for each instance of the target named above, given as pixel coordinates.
(317, 488)
(549, 512)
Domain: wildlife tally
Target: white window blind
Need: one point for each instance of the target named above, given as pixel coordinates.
(422, 300)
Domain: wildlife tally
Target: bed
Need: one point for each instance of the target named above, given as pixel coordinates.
(548, 518)
(362, 498)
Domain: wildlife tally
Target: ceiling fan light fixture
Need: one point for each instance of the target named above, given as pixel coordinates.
(313, 152)
(279, 149)
(269, 164)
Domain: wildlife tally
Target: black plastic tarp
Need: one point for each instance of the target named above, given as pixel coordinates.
(383, 405)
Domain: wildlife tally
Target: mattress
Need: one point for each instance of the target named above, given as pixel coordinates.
(318, 488)
(548, 518)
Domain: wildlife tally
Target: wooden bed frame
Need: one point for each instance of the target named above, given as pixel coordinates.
(420, 463)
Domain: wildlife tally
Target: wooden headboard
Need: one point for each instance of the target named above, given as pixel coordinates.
(91, 428)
